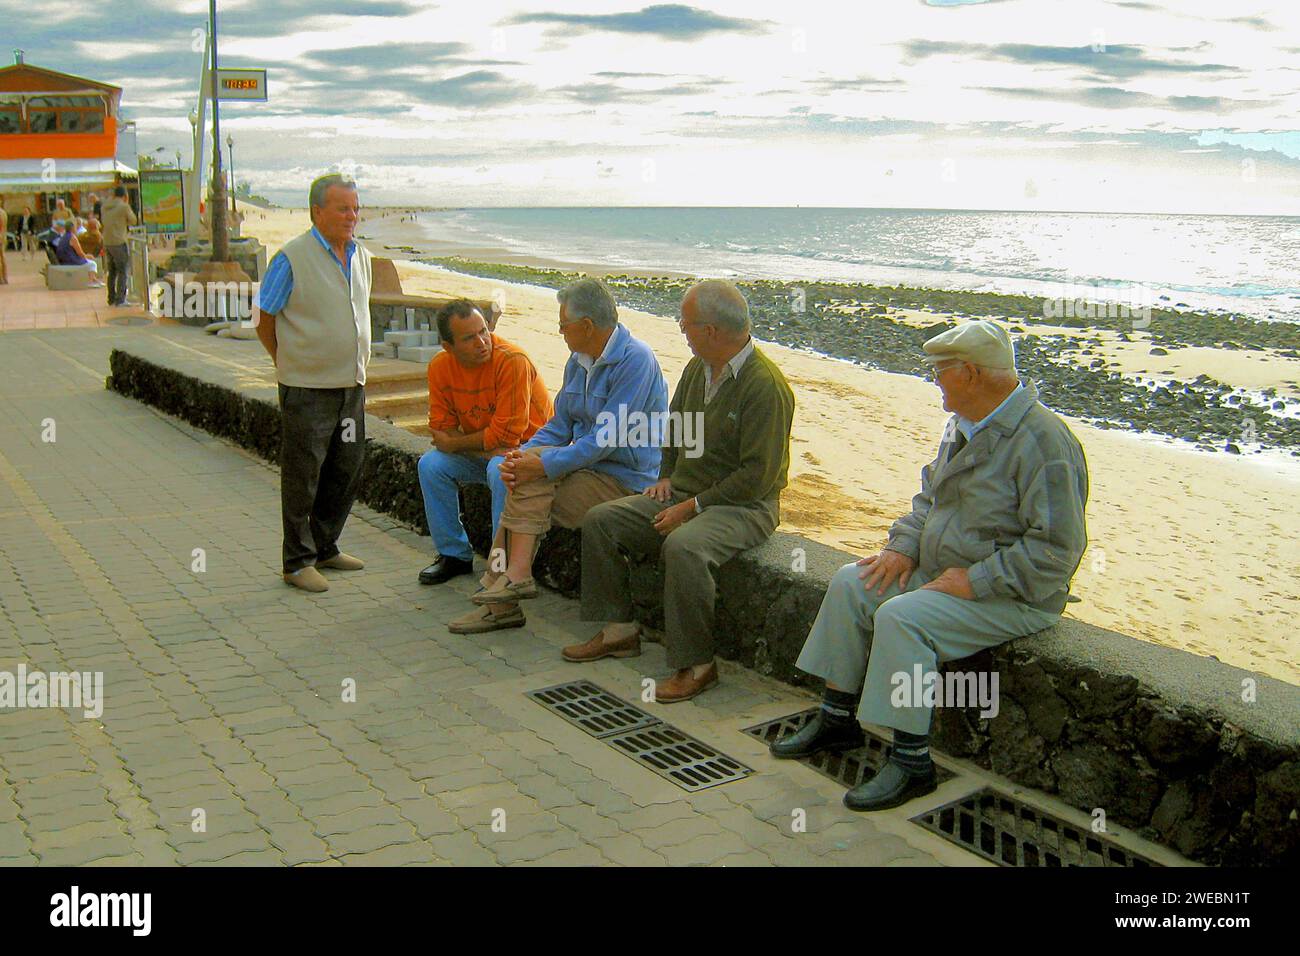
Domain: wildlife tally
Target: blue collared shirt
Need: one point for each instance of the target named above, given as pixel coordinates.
(277, 284)
(970, 429)
(621, 388)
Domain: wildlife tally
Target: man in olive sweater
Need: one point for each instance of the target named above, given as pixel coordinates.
(718, 493)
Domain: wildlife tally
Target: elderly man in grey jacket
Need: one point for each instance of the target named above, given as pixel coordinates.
(986, 555)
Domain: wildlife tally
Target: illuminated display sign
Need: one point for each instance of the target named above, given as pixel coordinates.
(241, 84)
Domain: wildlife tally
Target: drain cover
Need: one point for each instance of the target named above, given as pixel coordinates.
(687, 762)
(662, 748)
(592, 708)
(1007, 831)
(849, 768)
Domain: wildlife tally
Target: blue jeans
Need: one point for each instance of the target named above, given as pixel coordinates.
(439, 474)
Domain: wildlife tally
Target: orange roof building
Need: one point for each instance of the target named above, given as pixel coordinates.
(58, 138)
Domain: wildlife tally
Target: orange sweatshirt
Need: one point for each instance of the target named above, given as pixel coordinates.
(505, 398)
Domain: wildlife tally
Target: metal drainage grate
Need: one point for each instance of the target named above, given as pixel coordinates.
(687, 762)
(849, 768)
(662, 748)
(1005, 830)
(592, 708)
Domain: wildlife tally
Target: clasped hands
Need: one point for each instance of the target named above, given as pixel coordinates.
(883, 569)
(674, 516)
(521, 467)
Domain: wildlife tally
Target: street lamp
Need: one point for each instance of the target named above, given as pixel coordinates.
(230, 145)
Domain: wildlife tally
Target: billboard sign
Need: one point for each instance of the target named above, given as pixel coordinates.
(162, 200)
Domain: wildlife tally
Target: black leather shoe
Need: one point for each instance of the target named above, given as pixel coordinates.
(444, 569)
(892, 786)
(818, 734)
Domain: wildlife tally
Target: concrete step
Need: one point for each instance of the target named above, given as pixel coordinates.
(402, 404)
(386, 376)
(417, 353)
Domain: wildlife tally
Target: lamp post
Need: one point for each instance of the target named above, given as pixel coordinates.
(220, 237)
(230, 145)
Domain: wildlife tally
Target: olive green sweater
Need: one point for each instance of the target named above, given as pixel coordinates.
(746, 438)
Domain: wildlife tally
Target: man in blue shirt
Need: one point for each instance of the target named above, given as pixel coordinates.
(603, 443)
(313, 319)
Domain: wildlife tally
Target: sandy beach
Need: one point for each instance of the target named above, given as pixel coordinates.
(1187, 549)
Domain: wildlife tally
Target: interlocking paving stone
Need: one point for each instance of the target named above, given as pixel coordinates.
(405, 854)
(372, 838)
(221, 846)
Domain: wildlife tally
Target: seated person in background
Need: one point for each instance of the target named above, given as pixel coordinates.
(69, 253)
(706, 507)
(986, 555)
(581, 457)
(92, 240)
(485, 397)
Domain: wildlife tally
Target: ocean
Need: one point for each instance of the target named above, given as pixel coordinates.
(1244, 264)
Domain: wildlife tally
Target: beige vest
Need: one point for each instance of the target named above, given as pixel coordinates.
(323, 332)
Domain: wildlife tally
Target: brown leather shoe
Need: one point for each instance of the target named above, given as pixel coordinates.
(682, 686)
(309, 579)
(342, 562)
(596, 648)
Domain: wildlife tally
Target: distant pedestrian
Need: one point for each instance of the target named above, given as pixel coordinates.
(118, 217)
(27, 232)
(314, 319)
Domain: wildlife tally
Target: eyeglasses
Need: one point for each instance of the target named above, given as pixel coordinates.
(937, 370)
(683, 324)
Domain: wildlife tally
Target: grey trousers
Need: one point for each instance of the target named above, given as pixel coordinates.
(118, 262)
(690, 556)
(863, 641)
(320, 468)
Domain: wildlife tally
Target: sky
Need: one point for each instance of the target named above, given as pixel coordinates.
(1093, 105)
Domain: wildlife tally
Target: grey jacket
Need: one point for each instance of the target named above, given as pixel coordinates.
(1008, 506)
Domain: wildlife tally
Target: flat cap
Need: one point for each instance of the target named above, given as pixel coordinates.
(979, 342)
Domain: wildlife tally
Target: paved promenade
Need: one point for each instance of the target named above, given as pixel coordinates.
(223, 699)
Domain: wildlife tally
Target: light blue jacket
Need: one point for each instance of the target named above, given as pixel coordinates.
(1008, 506)
(626, 376)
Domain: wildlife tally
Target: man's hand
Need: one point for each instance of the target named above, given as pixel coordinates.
(954, 581)
(672, 518)
(884, 568)
(661, 490)
(443, 441)
(521, 467)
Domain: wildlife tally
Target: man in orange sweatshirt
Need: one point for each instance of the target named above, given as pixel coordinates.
(485, 398)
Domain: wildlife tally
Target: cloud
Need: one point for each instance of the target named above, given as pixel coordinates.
(1112, 97)
(827, 84)
(388, 54)
(668, 21)
(616, 93)
(294, 16)
(1112, 61)
(474, 89)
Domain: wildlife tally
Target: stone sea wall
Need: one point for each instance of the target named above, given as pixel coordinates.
(1193, 753)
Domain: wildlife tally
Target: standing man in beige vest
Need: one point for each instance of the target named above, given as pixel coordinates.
(314, 318)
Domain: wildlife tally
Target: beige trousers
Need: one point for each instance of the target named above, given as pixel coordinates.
(534, 506)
